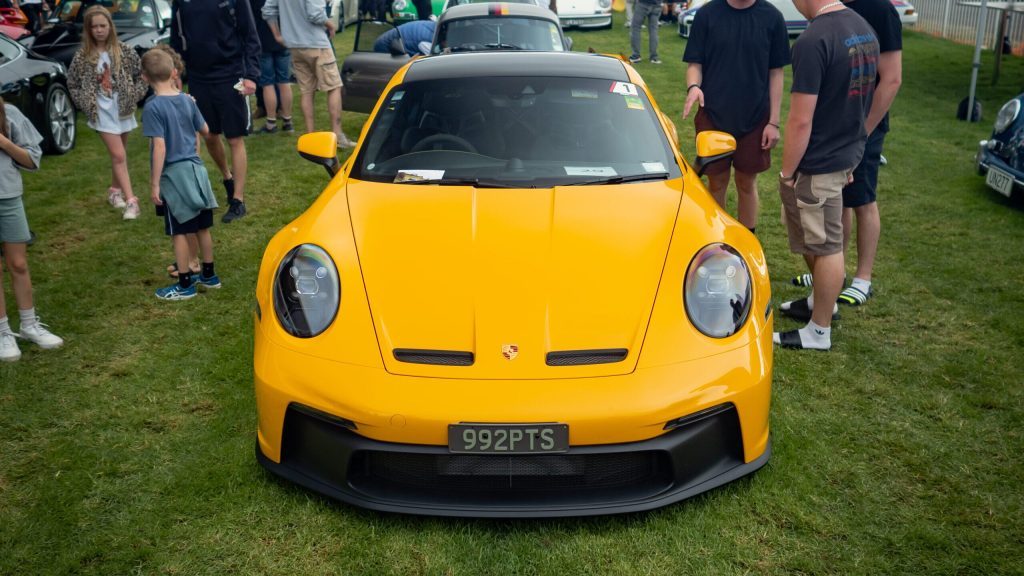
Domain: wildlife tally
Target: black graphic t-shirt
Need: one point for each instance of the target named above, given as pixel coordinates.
(736, 49)
(836, 58)
(881, 15)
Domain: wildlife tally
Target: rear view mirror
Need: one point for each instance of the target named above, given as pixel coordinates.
(711, 147)
(320, 148)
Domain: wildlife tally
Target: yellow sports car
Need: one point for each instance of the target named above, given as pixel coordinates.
(515, 299)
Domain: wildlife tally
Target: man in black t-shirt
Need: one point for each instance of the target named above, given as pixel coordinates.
(835, 62)
(735, 55)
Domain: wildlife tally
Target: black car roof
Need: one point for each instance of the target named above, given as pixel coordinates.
(489, 64)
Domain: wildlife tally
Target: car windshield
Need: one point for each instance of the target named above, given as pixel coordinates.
(125, 13)
(498, 33)
(519, 132)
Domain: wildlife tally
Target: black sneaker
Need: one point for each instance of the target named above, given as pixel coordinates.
(236, 210)
(287, 126)
(267, 129)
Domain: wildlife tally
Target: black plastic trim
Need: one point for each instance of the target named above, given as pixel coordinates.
(437, 357)
(585, 357)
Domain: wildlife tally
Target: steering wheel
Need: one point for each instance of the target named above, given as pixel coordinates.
(457, 142)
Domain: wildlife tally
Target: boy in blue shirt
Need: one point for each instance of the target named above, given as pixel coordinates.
(179, 183)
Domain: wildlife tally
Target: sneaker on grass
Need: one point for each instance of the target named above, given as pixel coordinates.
(655, 60)
(287, 126)
(115, 197)
(39, 334)
(131, 209)
(9, 351)
(236, 209)
(176, 292)
(205, 282)
(635, 59)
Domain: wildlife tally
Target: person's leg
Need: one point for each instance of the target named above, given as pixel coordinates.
(308, 110)
(270, 103)
(828, 282)
(215, 147)
(718, 186)
(639, 16)
(285, 103)
(205, 240)
(182, 253)
(334, 110)
(15, 257)
(747, 200)
(119, 163)
(239, 165)
(653, 15)
(869, 229)
(629, 12)
(193, 252)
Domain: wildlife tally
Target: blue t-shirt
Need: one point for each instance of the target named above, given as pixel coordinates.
(176, 119)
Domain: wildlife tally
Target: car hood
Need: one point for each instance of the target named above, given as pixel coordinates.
(512, 275)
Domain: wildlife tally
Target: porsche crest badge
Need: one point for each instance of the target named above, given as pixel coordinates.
(509, 351)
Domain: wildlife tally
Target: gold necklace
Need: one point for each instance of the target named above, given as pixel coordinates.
(826, 7)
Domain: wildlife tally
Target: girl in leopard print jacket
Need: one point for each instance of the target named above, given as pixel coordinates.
(105, 80)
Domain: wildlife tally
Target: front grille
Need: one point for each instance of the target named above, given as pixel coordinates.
(532, 472)
(439, 357)
(583, 357)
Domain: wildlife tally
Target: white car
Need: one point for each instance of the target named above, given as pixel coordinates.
(350, 8)
(795, 21)
(908, 15)
(585, 13)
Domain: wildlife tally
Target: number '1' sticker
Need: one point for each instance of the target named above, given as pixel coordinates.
(624, 88)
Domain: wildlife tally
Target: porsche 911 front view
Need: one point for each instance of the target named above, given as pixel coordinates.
(515, 299)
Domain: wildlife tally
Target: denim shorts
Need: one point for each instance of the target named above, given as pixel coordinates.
(274, 68)
(13, 223)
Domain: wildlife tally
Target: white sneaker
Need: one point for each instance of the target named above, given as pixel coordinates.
(116, 198)
(131, 209)
(9, 351)
(36, 332)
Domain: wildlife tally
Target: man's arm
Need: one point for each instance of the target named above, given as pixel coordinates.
(798, 131)
(694, 76)
(156, 168)
(770, 134)
(890, 76)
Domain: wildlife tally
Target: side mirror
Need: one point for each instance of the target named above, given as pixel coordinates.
(396, 47)
(320, 148)
(711, 147)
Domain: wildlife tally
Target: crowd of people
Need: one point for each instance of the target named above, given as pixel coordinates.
(847, 69)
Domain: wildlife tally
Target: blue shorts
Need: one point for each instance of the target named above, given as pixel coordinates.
(13, 223)
(275, 68)
(861, 191)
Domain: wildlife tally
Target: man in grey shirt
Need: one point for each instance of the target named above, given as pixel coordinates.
(303, 26)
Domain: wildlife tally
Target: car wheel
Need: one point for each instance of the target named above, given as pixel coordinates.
(59, 121)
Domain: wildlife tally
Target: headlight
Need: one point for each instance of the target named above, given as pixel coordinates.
(306, 291)
(1007, 114)
(399, 5)
(717, 292)
(604, 3)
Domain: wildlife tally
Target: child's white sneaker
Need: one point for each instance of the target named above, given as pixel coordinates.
(116, 198)
(131, 209)
(36, 332)
(9, 351)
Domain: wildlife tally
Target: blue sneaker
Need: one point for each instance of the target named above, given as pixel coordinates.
(206, 282)
(176, 292)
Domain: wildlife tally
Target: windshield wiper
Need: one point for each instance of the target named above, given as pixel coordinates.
(623, 179)
(474, 182)
(503, 46)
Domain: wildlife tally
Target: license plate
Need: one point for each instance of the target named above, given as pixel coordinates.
(572, 22)
(999, 181)
(508, 438)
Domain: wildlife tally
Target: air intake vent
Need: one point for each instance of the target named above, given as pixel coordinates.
(438, 357)
(583, 357)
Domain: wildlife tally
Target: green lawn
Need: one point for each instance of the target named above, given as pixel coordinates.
(131, 449)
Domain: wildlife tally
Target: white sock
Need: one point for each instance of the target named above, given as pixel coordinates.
(816, 337)
(862, 285)
(28, 317)
(5, 326)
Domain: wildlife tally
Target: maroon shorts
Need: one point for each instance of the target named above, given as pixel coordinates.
(748, 157)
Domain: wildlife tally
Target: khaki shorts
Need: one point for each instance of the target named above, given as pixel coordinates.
(812, 210)
(315, 69)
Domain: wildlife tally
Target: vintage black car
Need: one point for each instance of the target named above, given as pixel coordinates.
(1001, 158)
(38, 87)
(140, 23)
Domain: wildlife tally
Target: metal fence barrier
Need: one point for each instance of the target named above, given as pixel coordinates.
(951, 20)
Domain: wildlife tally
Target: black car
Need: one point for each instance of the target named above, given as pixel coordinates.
(140, 23)
(38, 87)
(1001, 158)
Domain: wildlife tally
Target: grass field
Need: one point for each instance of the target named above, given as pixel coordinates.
(130, 450)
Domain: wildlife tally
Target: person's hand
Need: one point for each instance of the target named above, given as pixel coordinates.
(330, 27)
(769, 137)
(154, 195)
(248, 87)
(278, 38)
(694, 95)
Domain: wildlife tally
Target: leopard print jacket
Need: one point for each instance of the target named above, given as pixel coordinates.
(127, 81)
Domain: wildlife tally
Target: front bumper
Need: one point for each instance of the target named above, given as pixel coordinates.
(986, 158)
(585, 21)
(321, 454)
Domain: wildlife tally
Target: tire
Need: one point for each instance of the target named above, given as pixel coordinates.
(58, 125)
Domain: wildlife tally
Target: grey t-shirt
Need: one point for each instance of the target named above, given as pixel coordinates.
(836, 58)
(24, 134)
(176, 119)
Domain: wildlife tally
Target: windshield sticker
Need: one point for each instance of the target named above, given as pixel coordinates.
(634, 103)
(590, 171)
(578, 93)
(624, 88)
(654, 166)
(418, 175)
(397, 96)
